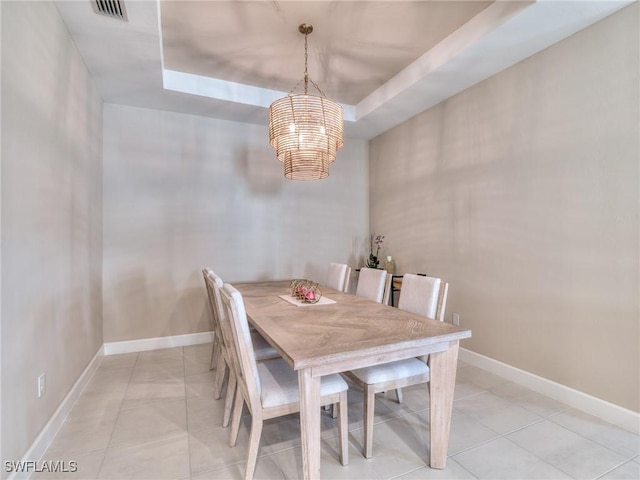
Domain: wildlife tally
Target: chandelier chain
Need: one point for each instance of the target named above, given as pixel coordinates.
(306, 77)
(306, 64)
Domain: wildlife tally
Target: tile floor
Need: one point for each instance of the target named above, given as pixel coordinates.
(152, 415)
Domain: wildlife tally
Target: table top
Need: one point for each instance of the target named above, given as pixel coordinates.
(326, 336)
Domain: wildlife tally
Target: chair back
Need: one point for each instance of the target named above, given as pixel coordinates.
(212, 310)
(347, 280)
(442, 301)
(371, 283)
(419, 294)
(241, 348)
(214, 283)
(336, 276)
(388, 289)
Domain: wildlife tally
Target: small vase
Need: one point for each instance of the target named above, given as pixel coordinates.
(390, 266)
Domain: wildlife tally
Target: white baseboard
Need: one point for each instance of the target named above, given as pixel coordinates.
(130, 346)
(43, 440)
(607, 411)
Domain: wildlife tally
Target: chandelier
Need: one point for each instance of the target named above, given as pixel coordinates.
(306, 130)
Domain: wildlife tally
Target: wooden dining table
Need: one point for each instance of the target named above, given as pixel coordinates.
(351, 333)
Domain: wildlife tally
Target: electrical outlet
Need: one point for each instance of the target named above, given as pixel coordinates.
(42, 385)
(456, 319)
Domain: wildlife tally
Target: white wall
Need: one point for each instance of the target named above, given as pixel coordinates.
(182, 192)
(523, 192)
(51, 218)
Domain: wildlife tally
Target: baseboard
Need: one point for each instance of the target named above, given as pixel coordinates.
(607, 411)
(142, 345)
(43, 440)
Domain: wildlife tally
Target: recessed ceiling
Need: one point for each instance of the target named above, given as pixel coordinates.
(386, 61)
(354, 49)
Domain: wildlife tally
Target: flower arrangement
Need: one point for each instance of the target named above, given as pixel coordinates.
(305, 290)
(375, 242)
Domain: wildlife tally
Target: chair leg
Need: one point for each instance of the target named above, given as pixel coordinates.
(334, 410)
(254, 445)
(215, 352)
(235, 419)
(219, 380)
(232, 388)
(369, 408)
(399, 394)
(343, 427)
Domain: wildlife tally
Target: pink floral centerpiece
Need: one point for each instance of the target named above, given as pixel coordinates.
(305, 291)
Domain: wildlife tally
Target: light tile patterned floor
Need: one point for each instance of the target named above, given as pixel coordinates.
(152, 415)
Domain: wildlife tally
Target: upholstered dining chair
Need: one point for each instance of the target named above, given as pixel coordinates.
(338, 276)
(270, 388)
(263, 351)
(421, 296)
(372, 283)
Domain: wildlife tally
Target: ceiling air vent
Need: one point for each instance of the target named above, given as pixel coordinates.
(110, 8)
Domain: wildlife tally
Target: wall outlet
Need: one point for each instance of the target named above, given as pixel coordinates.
(456, 319)
(42, 384)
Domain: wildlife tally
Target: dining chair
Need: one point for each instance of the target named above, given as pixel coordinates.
(270, 388)
(421, 296)
(371, 284)
(263, 350)
(338, 277)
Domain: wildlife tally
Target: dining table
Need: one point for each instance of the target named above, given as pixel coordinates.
(344, 332)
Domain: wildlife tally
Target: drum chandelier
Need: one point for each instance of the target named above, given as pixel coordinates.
(306, 130)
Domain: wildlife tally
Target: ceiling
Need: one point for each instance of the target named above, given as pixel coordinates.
(385, 61)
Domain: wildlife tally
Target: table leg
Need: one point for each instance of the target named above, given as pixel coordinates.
(442, 384)
(310, 423)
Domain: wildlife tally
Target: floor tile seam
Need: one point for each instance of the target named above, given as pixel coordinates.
(498, 435)
(298, 447)
(614, 468)
(90, 415)
(511, 402)
(504, 434)
(415, 412)
(470, 396)
(148, 399)
(275, 450)
(159, 438)
(595, 441)
(223, 467)
(466, 470)
(557, 467)
(560, 412)
(117, 417)
(539, 457)
(405, 473)
(159, 379)
(73, 453)
(522, 427)
(476, 445)
(553, 414)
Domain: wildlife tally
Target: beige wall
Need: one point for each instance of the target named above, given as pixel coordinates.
(522, 191)
(51, 218)
(182, 192)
